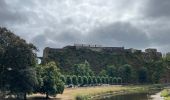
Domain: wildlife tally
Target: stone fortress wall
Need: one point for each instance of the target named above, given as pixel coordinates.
(148, 53)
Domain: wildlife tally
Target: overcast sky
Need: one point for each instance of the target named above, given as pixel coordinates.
(56, 23)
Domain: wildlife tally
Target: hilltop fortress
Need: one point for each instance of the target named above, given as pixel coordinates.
(98, 56)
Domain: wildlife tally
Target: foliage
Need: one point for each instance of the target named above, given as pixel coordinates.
(74, 80)
(94, 80)
(17, 62)
(68, 80)
(83, 69)
(103, 73)
(63, 78)
(103, 80)
(82, 97)
(85, 80)
(111, 71)
(125, 72)
(90, 80)
(52, 84)
(80, 80)
(99, 81)
(143, 75)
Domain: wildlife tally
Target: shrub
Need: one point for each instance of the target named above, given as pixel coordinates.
(82, 97)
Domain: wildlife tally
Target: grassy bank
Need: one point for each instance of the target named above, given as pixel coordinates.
(166, 94)
(87, 93)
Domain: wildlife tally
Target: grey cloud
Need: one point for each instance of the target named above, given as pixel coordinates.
(8, 15)
(120, 33)
(64, 22)
(157, 8)
(50, 38)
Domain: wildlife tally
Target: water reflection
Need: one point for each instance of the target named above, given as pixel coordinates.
(141, 96)
(135, 96)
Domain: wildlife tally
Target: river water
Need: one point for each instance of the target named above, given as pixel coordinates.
(134, 96)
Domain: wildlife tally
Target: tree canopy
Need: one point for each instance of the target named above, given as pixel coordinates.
(17, 64)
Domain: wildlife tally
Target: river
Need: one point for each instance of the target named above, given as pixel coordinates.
(134, 96)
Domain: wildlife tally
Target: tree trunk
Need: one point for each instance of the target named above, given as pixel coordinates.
(47, 96)
(25, 96)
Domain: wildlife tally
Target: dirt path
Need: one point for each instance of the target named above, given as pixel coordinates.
(157, 96)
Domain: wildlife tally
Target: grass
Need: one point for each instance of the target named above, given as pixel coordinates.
(86, 93)
(112, 90)
(166, 94)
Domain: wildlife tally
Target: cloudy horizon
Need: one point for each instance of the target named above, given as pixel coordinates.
(136, 24)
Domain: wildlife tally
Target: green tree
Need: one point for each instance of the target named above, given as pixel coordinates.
(52, 84)
(103, 73)
(90, 80)
(80, 80)
(85, 80)
(103, 80)
(119, 80)
(107, 80)
(63, 78)
(143, 75)
(68, 80)
(94, 80)
(99, 81)
(111, 71)
(110, 80)
(114, 80)
(83, 69)
(74, 80)
(125, 72)
(17, 62)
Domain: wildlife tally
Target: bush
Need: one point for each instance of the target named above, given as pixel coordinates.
(103, 80)
(69, 80)
(74, 80)
(110, 80)
(165, 93)
(94, 80)
(85, 80)
(90, 80)
(80, 80)
(63, 78)
(114, 80)
(82, 97)
(99, 81)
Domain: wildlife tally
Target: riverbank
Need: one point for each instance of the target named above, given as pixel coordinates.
(166, 94)
(84, 93)
(97, 91)
(121, 90)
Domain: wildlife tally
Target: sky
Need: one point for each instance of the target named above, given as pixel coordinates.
(136, 24)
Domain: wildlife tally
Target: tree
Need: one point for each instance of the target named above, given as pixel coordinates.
(125, 72)
(143, 75)
(103, 73)
(90, 80)
(80, 80)
(63, 78)
(74, 80)
(107, 80)
(17, 62)
(52, 84)
(85, 80)
(158, 71)
(83, 69)
(111, 71)
(94, 80)
(110, 80)
(119, 80)
(68, 80)
(99, 81)
(115, 80)
(103, 80)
